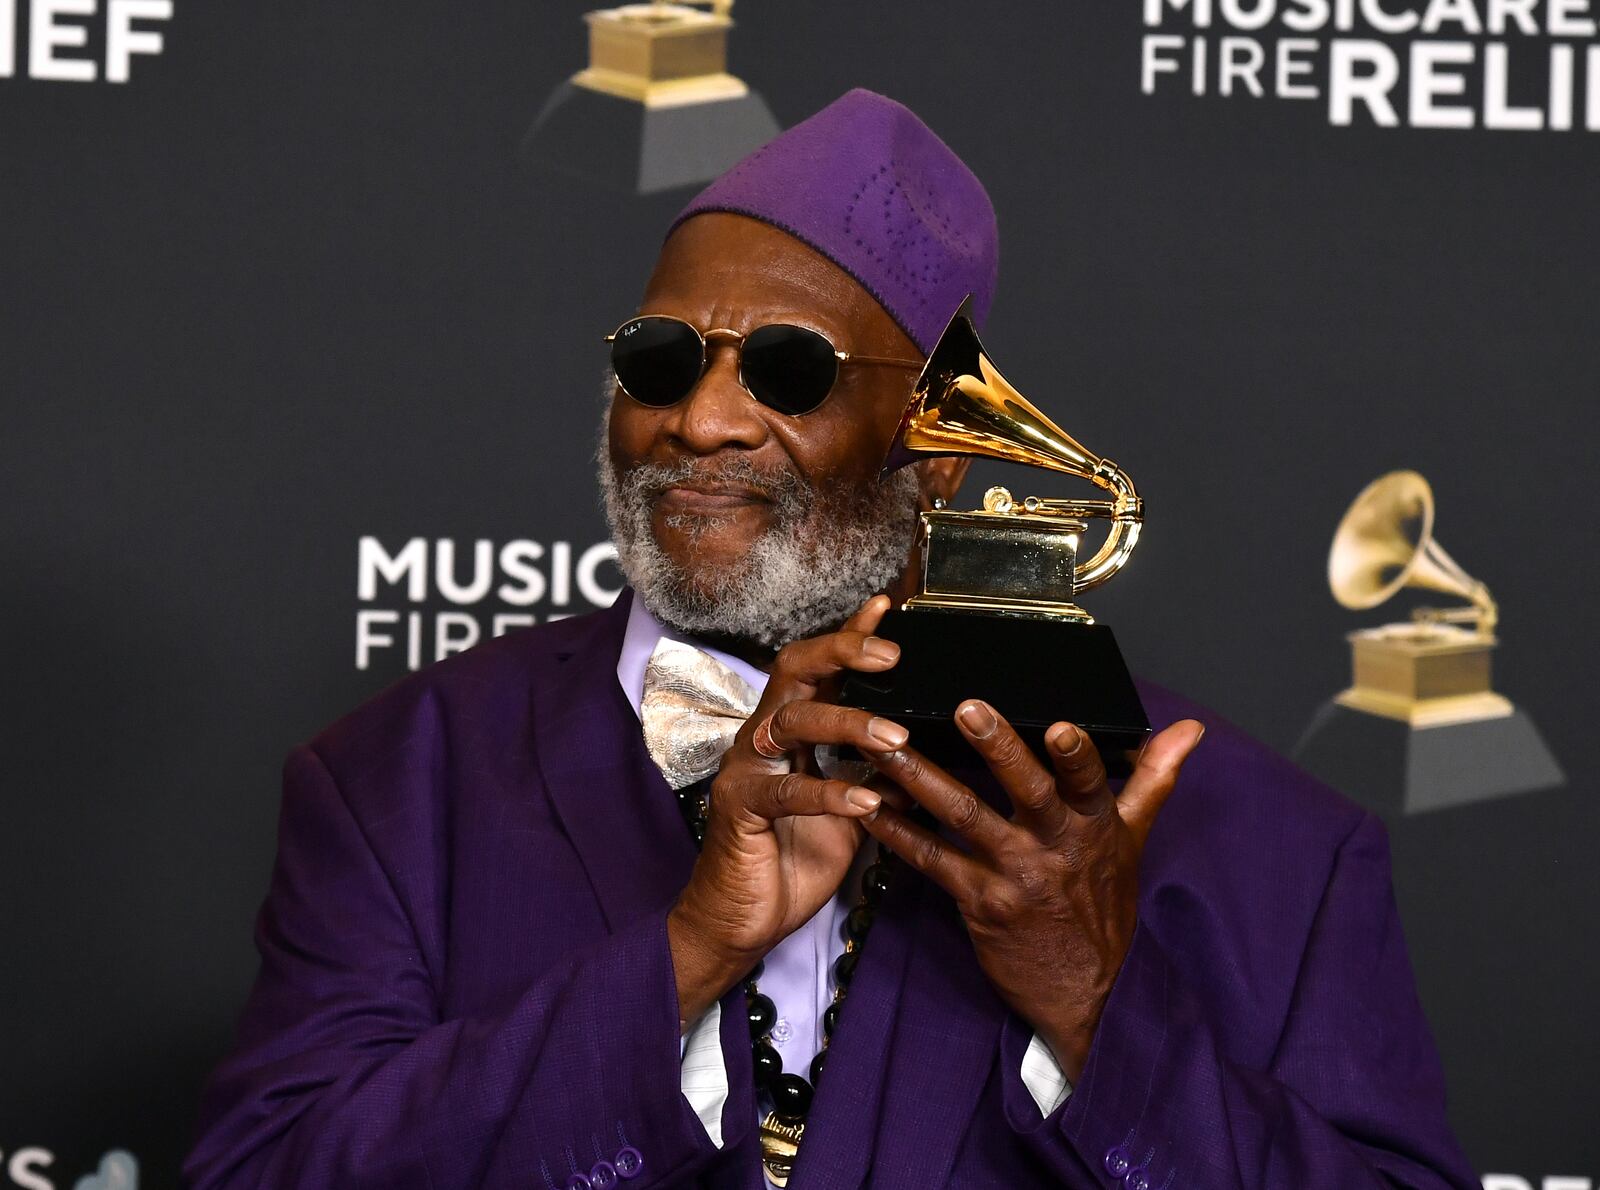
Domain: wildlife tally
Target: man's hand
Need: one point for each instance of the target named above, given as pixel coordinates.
(1050, 897)
(780, 838)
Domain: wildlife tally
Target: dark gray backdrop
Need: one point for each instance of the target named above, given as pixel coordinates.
(290, 287)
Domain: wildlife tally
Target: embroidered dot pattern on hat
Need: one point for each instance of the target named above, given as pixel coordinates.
(870, 186)
(899, 235)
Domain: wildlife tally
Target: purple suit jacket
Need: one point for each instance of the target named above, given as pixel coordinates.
(465, 979)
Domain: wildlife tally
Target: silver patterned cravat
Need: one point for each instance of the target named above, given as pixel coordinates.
(692, 708)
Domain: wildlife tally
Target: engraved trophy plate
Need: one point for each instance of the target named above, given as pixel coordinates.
(970, 562)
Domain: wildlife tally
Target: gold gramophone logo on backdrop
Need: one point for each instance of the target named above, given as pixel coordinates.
(1420, 726)
(656, 108)
(1427, 672)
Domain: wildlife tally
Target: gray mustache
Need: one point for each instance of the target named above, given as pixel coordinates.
(781, 487)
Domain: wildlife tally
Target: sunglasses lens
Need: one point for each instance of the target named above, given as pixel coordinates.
(657, 360)
(789, 368)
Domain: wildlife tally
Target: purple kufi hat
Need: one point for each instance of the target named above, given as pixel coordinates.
(871, 187)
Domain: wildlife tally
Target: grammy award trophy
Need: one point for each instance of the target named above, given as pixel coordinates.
(996, 616)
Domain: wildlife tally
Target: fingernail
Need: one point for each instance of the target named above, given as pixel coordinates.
(890, 735)
(879, 649)
(862, 798)
(1066, 741)
(1199, 737)
(978, 719)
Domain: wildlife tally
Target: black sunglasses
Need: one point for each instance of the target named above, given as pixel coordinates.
(658, 359)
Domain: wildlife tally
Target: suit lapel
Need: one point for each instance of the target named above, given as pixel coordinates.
(916, 1044)
(947, 1041)
(837, 1148)
(624, 823)
(616, 808)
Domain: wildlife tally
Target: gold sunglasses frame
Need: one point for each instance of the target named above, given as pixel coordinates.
(737, 338)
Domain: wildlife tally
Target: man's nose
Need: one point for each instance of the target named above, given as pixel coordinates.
(718, 412)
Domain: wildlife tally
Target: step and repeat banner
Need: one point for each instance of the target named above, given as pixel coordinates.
(301, 309)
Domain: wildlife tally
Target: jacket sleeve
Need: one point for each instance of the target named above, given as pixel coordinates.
(345, 1074)
(1353, 1095)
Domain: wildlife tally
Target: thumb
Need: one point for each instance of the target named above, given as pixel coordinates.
(1156, 773)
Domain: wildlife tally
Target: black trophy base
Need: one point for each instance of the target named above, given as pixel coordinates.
(1034, 672)
(1396, 770)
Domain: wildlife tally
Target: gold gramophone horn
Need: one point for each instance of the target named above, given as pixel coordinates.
(1385, 543)
(962, 405)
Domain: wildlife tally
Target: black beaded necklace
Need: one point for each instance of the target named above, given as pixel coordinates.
(791, 1094)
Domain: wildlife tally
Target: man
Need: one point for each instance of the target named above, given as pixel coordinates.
(492, 957)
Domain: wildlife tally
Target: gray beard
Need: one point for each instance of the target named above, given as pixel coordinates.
(824, 555)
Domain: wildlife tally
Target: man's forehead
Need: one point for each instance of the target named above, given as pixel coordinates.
(731, 266)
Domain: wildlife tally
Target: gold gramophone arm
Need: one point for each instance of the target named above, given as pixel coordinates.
(1076, 509)
(1437, 570)
(1126, 513)
(1484, 614)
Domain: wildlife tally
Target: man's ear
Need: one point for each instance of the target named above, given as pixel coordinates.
(940, 478)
